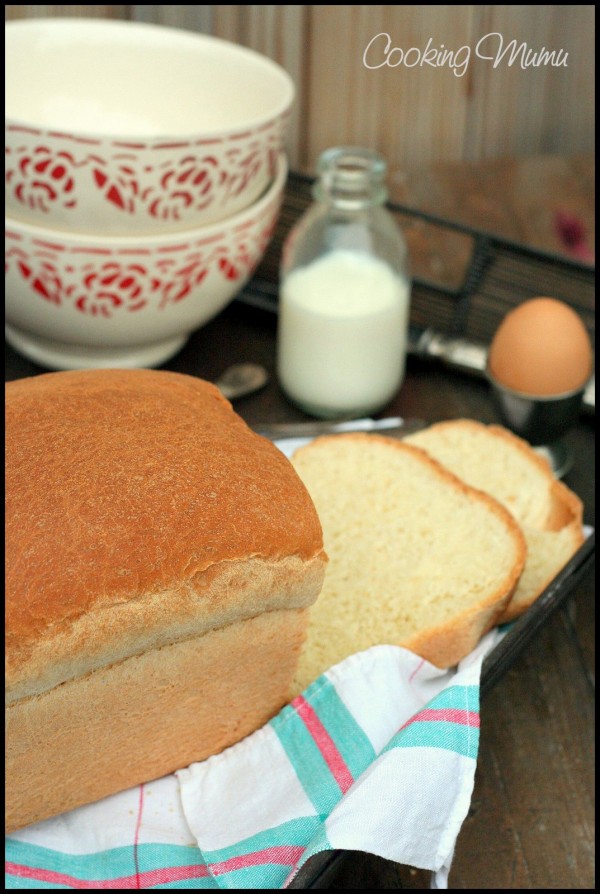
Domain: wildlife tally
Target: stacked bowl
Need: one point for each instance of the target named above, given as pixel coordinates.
(145, 169)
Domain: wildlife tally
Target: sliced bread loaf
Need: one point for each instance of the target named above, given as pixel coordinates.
(416, 557)
(495, 460)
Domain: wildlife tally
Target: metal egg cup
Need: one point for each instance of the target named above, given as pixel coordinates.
(542, 420)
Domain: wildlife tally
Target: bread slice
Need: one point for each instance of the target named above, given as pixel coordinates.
(416, 557)
(495, 460)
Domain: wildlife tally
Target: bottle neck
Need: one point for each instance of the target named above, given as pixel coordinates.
(351, 178)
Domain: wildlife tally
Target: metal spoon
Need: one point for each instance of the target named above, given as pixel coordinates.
(241, 379)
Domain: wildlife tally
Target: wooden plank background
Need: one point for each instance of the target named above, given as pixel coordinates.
(413, 116)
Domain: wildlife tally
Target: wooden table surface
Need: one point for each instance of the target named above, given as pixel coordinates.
(532, 820)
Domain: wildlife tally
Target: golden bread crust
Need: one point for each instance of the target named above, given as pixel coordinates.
(147, 716)
(129, 494)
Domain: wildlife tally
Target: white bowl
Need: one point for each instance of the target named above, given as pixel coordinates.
(124, 127)
(74, 302)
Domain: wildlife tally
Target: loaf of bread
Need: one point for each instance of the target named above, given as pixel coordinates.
(160, 562)
(417, 558)
(495, 460)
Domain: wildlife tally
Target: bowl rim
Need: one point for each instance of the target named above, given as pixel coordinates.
(157, 240)
(282, 110)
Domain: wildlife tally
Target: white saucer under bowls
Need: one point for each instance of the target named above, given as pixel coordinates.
(75, 302)
(122, 128)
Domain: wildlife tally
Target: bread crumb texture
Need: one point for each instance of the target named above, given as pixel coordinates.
(495, 460)
(416, 557)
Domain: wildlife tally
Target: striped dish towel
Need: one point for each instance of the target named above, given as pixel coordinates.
(377, 755)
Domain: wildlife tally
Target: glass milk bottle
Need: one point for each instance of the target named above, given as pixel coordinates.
(344, 293)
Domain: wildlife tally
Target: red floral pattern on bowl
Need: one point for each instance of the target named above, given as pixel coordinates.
(116, 188)
(127, 292)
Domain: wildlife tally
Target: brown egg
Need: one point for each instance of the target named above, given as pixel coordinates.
(541, 348)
